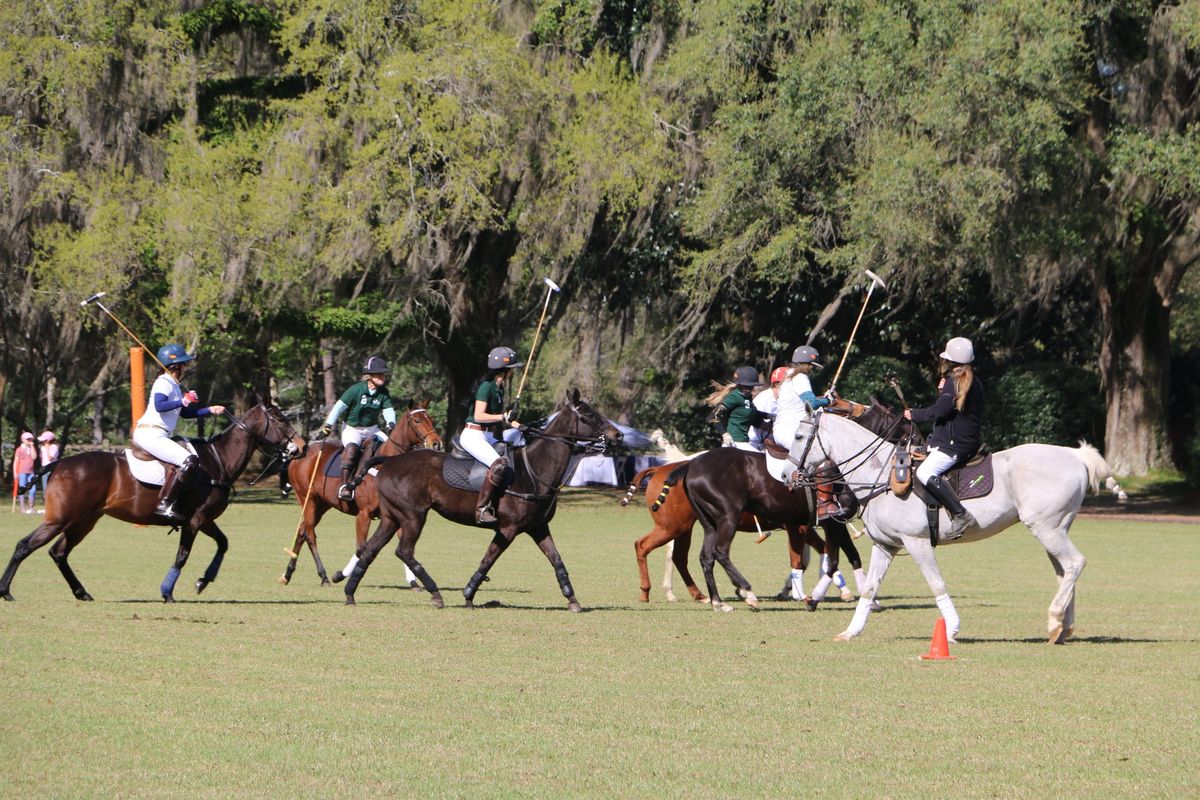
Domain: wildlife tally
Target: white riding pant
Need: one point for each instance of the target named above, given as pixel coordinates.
(934, 464)
(479, 445)
(158, 443)
(352, 435)
(748, 446)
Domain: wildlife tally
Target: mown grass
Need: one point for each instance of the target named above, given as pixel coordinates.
(255, 690)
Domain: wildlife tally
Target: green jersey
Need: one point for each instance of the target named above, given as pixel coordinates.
(492, 394)
(741, 414)
(363, 406)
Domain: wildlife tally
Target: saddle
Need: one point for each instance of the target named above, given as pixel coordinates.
(333, 467)
(148, 468)
(774, 449)
(973, 479)
(462, 471)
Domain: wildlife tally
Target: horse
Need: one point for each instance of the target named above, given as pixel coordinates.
(411, 484)
(86, 486)
(316, 492)
(674, 520)
(1039, 484)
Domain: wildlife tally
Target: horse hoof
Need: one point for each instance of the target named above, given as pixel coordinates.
(324, 582)
(8, 596)
(843, 637)
(574, 607)
(751, 601)
(201, 585)
(436, 599)
(847, 597)
(721, 606)
(700, 598)
(414, 586)
(1067, 633)
(338, 577)
(811, 604)
(671, 598)
(283, 580)
(469, 604)
(350, 600)
(168, 598)
(1056, 636)
(875, 606)
(87, 598)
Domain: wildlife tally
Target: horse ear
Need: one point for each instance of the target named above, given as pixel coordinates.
(573, 396)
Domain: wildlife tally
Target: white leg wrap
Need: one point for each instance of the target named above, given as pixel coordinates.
(346, 570)
(839, 579)
(798, 584)
(949, 613)
(859, 621)
(821, 587)
(409, 577)
(859, 580)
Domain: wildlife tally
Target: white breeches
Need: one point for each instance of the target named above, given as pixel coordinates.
(352, 435)
(156, 442)
(934, 464)
(747, 446)
(479, 445)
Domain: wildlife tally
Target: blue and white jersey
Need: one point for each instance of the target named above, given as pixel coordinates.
(164, 384)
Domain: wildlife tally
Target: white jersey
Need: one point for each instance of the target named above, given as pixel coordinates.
(765, 403)
(163, 384)
(791, 409)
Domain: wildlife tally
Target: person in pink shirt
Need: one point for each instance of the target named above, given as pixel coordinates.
(49, 452)
(23, 464)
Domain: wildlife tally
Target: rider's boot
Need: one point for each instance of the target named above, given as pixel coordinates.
(485, 507)
(170, 491)
(960, 518)
(349, 461)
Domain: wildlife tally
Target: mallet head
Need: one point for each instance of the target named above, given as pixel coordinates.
(553, 286)
(876, 280)
(93, 298)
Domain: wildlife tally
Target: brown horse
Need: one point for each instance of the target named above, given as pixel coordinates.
(415, 428)
(674, 520)
(84, 487)
(412, 484)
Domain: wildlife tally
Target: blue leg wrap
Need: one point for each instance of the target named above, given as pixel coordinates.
(168, 584)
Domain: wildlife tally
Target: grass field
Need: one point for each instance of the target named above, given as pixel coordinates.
(259, 690)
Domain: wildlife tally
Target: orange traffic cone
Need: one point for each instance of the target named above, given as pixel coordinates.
(938, 648)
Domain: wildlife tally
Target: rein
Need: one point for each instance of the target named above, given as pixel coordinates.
(848, 464)
(578, 445)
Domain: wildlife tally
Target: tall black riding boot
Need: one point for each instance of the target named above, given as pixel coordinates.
(960, 518)
(170, 490)
(485, 507)
(349, 461)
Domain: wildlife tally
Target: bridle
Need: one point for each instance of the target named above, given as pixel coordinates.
(429, 441)
(578, 445)
(845, 466)
(274, 449)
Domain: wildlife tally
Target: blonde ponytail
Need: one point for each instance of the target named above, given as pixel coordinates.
(720, 392)
(963, 376)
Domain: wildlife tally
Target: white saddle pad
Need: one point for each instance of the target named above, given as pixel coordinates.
(151, 472)
(779, 468)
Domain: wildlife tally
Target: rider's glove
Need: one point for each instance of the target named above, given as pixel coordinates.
(191, 397)
(727, 439)
(325, 431)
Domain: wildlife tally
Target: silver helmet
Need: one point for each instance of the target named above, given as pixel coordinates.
(806, 355)
(959, 350)
(503, 358)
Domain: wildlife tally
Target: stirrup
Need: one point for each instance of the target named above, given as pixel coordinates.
(485, 515)
(345, 492)
(169, 511)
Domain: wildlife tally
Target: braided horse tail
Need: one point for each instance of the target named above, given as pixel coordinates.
(636, 484)
(677, 474)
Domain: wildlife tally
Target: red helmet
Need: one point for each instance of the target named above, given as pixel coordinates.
(779, 375)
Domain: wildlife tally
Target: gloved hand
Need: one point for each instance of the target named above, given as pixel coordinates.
(325, 430)
(727, 439)
(190, 397)
(388, 427)
(510, 415)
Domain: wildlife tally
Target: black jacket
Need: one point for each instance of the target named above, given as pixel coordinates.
(956, 432)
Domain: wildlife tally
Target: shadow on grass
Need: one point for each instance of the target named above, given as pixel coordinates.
(1071, 641)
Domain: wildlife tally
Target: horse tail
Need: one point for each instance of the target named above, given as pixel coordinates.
(1098, 470)
(677, 474)
(36, 480)
(635, 485)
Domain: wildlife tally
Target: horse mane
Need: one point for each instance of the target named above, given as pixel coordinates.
(670, 451)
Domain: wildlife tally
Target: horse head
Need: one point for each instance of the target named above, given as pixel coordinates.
(578, 420)
(416, 429)
(266, 423)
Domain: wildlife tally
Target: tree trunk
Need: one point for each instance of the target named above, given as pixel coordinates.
(97, 419)
(51, 385)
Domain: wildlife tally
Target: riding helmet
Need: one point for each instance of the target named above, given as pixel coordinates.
(171, 354)
(503, 358)
(959, 350)
(779, 375)
(806, 355)
(746, 376)
(375, 365)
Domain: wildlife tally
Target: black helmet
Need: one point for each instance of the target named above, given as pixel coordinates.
(375, 365)
(503, 358)
(806, 355)
(746, 376)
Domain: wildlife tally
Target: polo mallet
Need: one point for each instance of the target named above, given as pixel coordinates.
(875, 281)
(95, 300)
(551, 289)
(304, 508)
(896, 385)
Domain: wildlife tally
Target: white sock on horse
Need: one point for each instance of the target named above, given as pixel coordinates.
(798, 584)
(949, 613)
(821, 587)
(346, 570)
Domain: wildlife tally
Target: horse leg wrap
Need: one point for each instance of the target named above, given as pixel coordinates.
(473, 585)
(168, 584)
(564, 582)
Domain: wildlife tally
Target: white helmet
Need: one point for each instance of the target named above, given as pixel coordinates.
(959, 350)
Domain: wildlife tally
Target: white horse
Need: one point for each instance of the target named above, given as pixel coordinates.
(1039, 484)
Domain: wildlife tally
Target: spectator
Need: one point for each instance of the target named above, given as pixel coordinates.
(50, 452)
(23, 464)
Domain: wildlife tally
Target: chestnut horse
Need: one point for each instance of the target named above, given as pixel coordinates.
(410, 485)
(84, 487)
(415, 428)
(674, 520)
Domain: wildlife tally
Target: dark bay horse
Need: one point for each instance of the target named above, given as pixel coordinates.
(415, 428)
(674, 520)
(725, 483)
(84, 487)
(411, 484)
